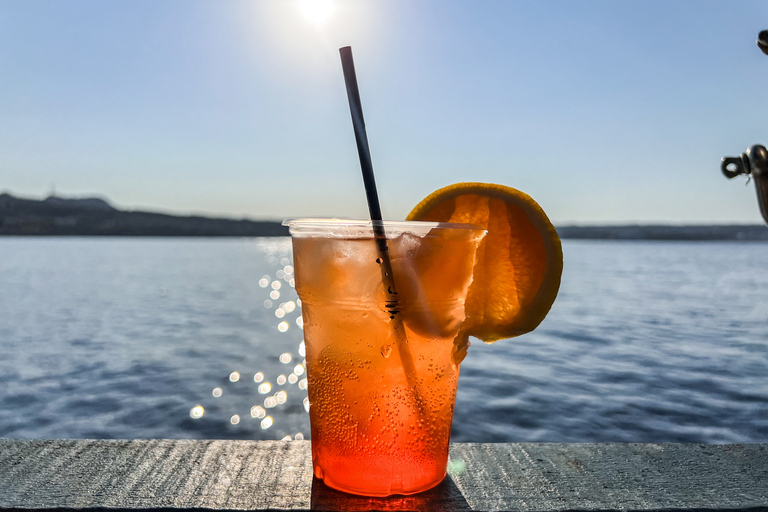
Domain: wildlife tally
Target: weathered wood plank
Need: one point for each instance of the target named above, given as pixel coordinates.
(141, 475)
(538, 477)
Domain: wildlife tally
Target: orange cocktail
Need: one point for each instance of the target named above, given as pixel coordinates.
(382, 376)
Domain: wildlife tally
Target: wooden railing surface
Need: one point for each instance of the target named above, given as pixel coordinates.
(142, 475)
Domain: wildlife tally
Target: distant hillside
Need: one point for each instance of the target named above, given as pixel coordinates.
(58, 216)
(667, 232)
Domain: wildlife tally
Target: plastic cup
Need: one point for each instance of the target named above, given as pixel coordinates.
(382, 377)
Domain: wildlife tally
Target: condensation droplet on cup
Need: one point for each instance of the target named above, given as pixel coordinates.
(234, 376)
(285, 357)
(235, 419)
(264, 281)
(306, 404)
(274, 295)
(258, 411)
(217, 392)
(289, 306)
(265, 388)
(281, 380)
(302, 346)
(300, 322)
(276, 285)
(303, 384)
(282, 326)
(266, 422)
(386, 351)
(298, 370)
(293, 379)
(299, 436)
(258, 377)
(196, 412)
(287, 438)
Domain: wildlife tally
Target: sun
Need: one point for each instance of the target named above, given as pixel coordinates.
(316, 11)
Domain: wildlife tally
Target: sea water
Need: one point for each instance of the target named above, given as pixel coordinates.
(202, 338)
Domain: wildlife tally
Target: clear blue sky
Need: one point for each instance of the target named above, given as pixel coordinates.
(603, 111)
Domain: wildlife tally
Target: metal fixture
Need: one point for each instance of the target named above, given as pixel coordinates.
(754, 161)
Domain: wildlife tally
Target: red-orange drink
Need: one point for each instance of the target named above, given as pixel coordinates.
(382, 381)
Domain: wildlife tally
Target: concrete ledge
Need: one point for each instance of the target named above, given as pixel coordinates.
(142, 475)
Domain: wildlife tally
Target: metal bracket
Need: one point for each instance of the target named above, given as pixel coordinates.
(754, 161)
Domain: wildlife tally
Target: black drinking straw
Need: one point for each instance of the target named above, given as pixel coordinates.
(374, 208)
(356, 109)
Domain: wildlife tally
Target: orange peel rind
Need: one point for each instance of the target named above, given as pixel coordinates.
(519, 263)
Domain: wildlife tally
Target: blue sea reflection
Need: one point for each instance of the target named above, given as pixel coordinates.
(202, 338)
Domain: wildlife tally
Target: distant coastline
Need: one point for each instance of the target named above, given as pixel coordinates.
(733, 232)
(57, 216)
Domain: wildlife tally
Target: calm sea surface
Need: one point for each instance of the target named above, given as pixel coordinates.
(198, 338)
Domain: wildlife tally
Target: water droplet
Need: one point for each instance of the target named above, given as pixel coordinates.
(386, 350)
(379, 261)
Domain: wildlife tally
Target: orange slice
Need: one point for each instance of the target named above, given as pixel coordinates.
(519, 262)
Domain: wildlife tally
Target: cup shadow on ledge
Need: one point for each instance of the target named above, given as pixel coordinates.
(444, 497)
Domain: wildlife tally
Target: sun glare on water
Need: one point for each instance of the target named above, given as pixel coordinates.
(316, 11)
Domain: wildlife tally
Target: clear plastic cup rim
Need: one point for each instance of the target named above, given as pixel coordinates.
(354, 228)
